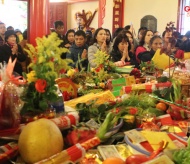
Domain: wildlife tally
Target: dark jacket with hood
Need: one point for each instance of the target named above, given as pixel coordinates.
(75, 53)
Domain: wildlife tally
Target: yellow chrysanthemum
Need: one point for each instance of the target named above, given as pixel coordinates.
(70, 72)
(102, 85)
(41, 59)
(31, 77)
(92, 69)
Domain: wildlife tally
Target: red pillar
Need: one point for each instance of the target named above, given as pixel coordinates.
(38, 19)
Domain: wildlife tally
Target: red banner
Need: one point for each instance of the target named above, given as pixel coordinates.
(117, 14)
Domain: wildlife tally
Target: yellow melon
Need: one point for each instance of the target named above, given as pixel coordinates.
(39, 140)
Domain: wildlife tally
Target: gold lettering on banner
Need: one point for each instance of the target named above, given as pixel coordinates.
(116, 19)
(116, 13)
(117, 6)
(116, 26)
(117, 1)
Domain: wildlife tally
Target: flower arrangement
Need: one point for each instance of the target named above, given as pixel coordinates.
(103, 66)
(46, 65)
(148, 67)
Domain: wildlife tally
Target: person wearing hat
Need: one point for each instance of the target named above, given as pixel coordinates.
(13, 50)
(2, 33)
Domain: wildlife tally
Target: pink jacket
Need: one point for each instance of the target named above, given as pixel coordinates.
(138, 50)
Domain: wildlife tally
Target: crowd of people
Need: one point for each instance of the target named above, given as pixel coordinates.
(122, 46)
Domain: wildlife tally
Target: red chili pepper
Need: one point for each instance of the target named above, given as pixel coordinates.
(40, 85)
(136, 159)
(133, 111)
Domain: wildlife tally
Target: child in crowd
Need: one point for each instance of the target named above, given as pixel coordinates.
(78, 51)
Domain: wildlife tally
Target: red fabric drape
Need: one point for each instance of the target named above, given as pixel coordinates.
(38, 19)
(58, 11)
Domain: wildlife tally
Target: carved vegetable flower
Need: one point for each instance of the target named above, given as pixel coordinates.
(40, 85)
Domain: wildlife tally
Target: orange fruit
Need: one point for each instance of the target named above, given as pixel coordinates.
(161, 106)
(113, 160)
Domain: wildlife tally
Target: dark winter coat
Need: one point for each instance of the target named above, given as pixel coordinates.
(116, 56)
(6, 53)
(75, 53)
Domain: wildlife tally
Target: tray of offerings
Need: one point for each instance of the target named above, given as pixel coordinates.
(178, 111)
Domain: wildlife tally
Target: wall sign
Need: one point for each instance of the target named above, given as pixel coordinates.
(117, 14)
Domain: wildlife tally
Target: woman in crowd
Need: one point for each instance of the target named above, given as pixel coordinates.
(185, 45)
(69, 38)
(99, 43)
(116, 32)
(155, 43)
(13, 50)
(108, 36)
(140, 33)
(131, 40)
(144, 43)
(121, 50)
(166, 35)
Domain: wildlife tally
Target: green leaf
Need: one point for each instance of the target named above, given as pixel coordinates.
(81, 106)
(162, 79)
(43, 105)
(102, 108)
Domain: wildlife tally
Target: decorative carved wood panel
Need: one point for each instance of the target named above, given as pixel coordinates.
(58, 11)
